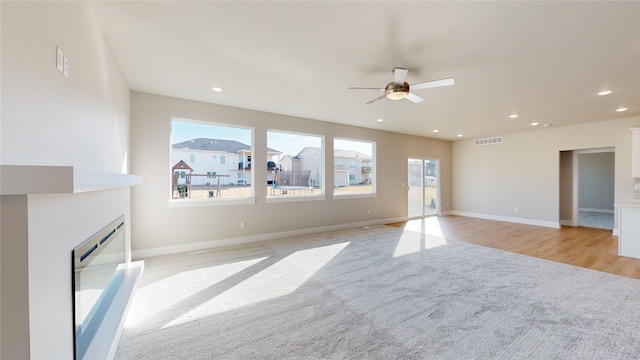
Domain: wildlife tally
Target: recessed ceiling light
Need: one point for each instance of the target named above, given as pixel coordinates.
(535, 123)
(605, 92)
(435, 130)
(513, 116)
(216, 89)
(459, 135)
(547, 125)
(380, 120)
(622, 109)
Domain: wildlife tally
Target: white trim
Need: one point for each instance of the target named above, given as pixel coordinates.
(568, 223)
(353, 196)
(185, 203)
(551, 224)
(167, 250)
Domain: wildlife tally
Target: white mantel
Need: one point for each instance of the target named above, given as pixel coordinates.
(38, 179)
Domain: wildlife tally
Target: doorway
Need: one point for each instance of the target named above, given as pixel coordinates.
(587, 182)
(422, 188)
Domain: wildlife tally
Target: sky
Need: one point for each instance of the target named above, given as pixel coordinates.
(288, 143)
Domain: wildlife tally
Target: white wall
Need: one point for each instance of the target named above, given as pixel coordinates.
(158, 227)
(48, 119)
(524, 171)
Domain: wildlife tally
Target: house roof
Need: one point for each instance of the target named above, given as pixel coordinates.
(350, 154)
(340, 153)
(218, 145)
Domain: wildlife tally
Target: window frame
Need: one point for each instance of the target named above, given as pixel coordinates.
(216, 201)
(301, 197)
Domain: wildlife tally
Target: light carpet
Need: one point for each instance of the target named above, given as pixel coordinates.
(377, 293)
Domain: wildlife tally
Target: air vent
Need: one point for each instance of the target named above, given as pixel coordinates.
(489, 141)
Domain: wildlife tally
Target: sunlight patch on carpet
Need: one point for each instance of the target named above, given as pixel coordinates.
(280, 279)
(170, 292)
(421, 235)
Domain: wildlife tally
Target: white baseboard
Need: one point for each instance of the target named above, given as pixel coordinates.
(568, 223)
(167, 250)
(550, 224)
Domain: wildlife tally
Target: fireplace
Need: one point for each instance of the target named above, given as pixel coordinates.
(43, 222)
(97, 263)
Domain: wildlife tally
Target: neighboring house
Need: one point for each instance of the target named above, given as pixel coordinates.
(309, 159)
(356, 164)
(350, 167)
(210, 157)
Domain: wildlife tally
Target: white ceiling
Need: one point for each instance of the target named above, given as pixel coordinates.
(542, 60)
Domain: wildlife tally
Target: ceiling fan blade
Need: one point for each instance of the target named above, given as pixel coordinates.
(399, 75)
(376, 99)
(413, 97)
(364, 88)
(431, 84)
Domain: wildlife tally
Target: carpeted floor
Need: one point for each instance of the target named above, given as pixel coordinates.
(378, 293)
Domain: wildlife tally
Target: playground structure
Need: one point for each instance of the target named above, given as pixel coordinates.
(182, 183)
(291, 181)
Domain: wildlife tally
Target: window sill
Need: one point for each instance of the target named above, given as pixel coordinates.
(353, 196)
(294, 198)
(185, 203)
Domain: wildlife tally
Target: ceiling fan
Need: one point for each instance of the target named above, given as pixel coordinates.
(399, 89)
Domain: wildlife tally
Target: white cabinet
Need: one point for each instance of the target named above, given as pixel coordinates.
(629, 238)
(635, 153)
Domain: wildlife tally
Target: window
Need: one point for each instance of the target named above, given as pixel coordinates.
(359, 178)
(295, 166)
(203, 177)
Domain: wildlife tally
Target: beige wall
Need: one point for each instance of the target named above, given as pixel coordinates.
(596, 180)
(524, 171)
(159, 228)
(566, 188)
(48, 119)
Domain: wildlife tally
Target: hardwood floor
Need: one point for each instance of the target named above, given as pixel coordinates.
(595, 249)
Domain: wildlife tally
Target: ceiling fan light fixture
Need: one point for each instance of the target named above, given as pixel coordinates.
(397, 92)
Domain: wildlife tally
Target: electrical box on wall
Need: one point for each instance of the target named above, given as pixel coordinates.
(62, 63)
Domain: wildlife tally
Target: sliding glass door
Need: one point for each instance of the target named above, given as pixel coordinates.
(422, 187)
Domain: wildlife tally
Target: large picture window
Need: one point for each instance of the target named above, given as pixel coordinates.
(295, 165)
(210, 161)
(353, 167)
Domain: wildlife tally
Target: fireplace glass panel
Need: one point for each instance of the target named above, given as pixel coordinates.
(95, 279)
